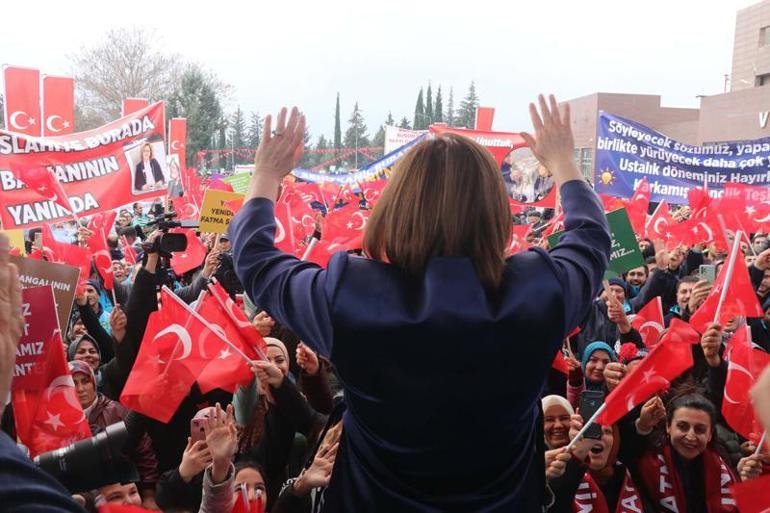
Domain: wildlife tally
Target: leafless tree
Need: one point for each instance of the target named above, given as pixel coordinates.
(127, 63)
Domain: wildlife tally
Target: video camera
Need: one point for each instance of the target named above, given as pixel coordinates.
(167, 243)
(91, 463)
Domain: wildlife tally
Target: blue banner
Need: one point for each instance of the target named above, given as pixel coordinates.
(373, 171)
(627, 151)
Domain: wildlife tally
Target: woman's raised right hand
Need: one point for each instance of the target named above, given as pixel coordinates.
(552, 143)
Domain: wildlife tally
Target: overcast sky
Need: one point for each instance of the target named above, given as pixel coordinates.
(276, 52)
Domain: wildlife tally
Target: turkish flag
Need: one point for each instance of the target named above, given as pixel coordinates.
(346, 225)
(177, 140)
(171, 357)
(519, 239)
(373, 190)
(131, 105)
(306, 192)
(286, 236)
(744, 365)
(750, 205)
(101, 224)
(637, 205)
(185, 207)
(751, 496)
(560, 363)
(649, 322)
(190, 258)
(666, 361)
(740, 298)
(128, 251)
(242, 505)
(63, 253)
(22, 100)
(247, 331)
(227, 369)
(58, 105)
(611, 203)
(42, 180)
(46, 409)
(660, 219)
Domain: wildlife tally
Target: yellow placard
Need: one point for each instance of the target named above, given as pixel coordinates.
(16, 237)
(215, 216)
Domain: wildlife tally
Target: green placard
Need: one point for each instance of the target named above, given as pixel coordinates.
(624, 252)
(239, 182)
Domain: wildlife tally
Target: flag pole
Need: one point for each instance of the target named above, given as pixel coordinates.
(309, 249)
(761, 442)
(585, 427)
(729, 273)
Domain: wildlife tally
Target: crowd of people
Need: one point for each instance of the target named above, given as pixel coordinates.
(274, 443)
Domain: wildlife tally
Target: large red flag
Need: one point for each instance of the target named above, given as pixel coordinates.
(286, 237)
(373, 190)
(177, 140)
(637, 205)
(744, 364)
(70, 254)
(666, 361)
(660, 219)
(239, 319)
(101, 224)
(752, 496)
(42, 180)
(191, 257)
(22, 100)
(171, 357)
(346, 226)
(46, 409)
(58, 105)
(649, 321)
(227, 369)
(740, 298)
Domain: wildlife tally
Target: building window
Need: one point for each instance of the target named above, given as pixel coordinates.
(762, 80)
(764, 36)
(584, 161)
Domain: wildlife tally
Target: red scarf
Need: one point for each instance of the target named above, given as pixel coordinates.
(662, 484)
(589, 497)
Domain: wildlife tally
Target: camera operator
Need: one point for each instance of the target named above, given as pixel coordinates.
(23, 487)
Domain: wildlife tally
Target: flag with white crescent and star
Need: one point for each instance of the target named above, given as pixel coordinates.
(22, 100)
(58, 105)
(46, 408)
(171, 357)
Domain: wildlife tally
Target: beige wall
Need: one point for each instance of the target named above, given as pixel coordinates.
(749, 58)
(734, 116)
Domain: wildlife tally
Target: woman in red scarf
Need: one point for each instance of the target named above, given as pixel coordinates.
(594, 480)
(685, 474)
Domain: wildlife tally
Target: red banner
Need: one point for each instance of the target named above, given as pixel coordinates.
(120, 163)
(58, 105)
(484, 118)
(499, 144)
(131, 105)
(40, 321)
(22, 100)
(177, 139)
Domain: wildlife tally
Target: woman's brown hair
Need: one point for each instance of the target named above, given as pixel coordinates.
(446, 198)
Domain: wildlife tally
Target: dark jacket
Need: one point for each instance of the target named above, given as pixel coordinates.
(106, 412)
(406, 420)
(140, 179)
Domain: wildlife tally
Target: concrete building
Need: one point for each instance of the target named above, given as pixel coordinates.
(740, 114)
